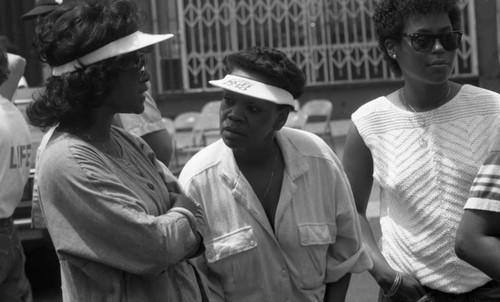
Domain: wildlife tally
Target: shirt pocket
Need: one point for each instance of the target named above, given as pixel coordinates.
(315, 240)
(234, 258)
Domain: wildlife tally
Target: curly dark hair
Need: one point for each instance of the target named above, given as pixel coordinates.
(390, 17)
(4, 66)
(271, 64)
(73, 29)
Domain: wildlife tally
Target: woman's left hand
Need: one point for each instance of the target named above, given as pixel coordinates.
(181, 200)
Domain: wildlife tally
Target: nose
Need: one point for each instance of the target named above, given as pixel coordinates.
(236, 112)
(437, 47)
(144, 75)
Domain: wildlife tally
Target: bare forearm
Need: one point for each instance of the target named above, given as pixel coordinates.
(381, 271)
(478, 241)
(161, 143)
(16, 68)
(483, 252)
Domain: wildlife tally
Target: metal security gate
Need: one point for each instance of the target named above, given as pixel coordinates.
(333, 41)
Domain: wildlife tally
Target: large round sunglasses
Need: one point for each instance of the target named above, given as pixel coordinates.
(423, 42)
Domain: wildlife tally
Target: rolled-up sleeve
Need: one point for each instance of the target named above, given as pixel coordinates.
(348, 254)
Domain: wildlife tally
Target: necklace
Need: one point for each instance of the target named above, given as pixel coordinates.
(407, 104)
(421, 121)
(272, 174)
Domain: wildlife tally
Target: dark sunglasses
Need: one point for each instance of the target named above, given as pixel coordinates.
(141, 65)
(423, 42)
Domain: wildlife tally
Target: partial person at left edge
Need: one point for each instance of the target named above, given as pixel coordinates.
(16, 66)
(121, 226)
(15, 155)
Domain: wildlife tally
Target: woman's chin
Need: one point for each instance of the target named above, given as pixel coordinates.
(230, 141)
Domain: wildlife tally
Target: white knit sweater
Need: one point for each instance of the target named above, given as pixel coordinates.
(425, 163)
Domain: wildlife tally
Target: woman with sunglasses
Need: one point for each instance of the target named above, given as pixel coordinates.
(423, 145)
(121, 227)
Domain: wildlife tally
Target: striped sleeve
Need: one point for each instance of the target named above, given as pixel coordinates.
(485, 191)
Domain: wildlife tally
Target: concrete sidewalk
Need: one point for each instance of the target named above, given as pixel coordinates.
(363, 287)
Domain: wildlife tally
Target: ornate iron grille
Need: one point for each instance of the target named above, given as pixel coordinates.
(333, 41)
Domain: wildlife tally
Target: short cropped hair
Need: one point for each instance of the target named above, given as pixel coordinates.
(390, 17)
(73, 29)
(272, 65)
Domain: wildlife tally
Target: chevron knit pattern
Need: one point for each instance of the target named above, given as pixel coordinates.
(425, 164)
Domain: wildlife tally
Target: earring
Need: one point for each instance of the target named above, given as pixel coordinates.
(394, 56)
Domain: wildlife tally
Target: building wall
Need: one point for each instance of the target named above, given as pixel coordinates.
(347, 98)
(487, 14)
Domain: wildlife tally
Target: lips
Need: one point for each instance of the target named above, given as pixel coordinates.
(438, 63)
(233, 130)
(143, 88)
(142, 91)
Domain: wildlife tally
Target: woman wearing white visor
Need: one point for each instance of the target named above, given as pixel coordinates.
(121, 227)
(281, 220)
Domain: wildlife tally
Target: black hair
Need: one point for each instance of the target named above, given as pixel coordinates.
(4, 66)
(272, 65)
(73, 29)
(390, 17)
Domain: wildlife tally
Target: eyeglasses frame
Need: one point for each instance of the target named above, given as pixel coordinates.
(141, 65)
(435, 36)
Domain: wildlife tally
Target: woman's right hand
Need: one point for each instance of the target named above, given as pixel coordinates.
(410, 290)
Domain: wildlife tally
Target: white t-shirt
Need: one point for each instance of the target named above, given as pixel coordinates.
(15, 157)
(425, 163)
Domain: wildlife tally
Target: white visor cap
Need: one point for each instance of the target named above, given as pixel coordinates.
(132, 42)
(255, 89)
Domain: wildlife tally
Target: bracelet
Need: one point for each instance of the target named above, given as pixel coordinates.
(395, 285)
